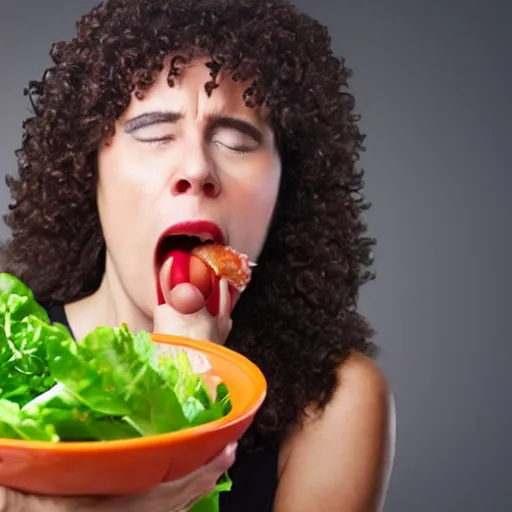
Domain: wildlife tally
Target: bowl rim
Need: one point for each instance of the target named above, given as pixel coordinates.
(207, 347)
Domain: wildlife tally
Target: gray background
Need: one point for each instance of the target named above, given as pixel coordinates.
(433, 83)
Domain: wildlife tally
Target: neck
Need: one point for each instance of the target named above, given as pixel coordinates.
(108, 306)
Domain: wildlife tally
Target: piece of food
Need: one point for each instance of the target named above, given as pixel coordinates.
(203, 266)
(112, 384)
(200, 275)
(227, 263)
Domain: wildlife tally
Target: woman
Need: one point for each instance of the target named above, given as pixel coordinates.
(228, 117)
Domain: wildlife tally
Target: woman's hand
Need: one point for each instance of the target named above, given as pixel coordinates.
(185, 314)
(176, 496)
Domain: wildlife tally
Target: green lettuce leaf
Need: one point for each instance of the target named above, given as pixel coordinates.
(105, 373)
(24, 371)
(110, 385)
(19, 300)
(14, 424)
(211, 503)
(72, 420)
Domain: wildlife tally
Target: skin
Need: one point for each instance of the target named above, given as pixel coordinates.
(153, 177)
(230, 178)
(328, 464)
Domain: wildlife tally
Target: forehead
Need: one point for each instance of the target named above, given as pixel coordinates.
(189, 97)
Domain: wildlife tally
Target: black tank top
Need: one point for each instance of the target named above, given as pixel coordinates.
(254, 475)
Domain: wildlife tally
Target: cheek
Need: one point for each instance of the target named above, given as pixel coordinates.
(124, 184)
(122, 195)
(252, 212)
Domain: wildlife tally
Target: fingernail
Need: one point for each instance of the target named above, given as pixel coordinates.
(231, 449)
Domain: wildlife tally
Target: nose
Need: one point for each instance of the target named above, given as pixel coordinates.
(196, 175)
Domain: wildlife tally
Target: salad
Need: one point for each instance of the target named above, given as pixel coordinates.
(110, 385)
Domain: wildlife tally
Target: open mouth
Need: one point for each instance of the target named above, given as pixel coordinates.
(179, 248)
(177, 243)
(196, 253)
(172, 244)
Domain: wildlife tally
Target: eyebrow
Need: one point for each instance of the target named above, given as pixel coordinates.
(213, 121)
(217, 120)
(150, 118)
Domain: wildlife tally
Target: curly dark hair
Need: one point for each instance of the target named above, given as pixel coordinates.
(298, 319)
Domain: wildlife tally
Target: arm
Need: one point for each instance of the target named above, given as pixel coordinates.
(341, 460)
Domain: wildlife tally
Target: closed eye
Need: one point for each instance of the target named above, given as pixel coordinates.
(238, 150)
(153, 132)
(156, 141)
(233, 141)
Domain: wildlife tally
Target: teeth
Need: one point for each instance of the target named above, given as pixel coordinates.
(205, 237)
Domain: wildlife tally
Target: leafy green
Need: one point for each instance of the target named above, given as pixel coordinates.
(211, 502)
(105, 373)
(15, 424)
(19, 299)
(73, 420)
(110, 385)
(24, 371)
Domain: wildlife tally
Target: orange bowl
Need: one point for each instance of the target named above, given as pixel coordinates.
(136, 465)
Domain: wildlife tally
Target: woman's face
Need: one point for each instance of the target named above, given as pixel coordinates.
(179, 155)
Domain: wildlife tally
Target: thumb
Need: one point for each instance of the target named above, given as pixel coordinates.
(185, 298)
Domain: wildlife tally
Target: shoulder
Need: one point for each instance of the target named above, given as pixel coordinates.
(342, 457)
(362, 388)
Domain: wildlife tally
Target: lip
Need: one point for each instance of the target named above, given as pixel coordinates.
(198, 228)
(195, 228)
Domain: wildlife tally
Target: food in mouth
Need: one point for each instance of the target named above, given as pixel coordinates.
(188, 259)
(226, 262)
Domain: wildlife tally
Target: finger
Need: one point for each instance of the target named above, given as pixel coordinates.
(203, 481)
(169, 497)
(164, 319)
(185, 298)
(176, 495)
(164, 276)
(224, 321)
(211, 381)
(14, 501)
(224, 299)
